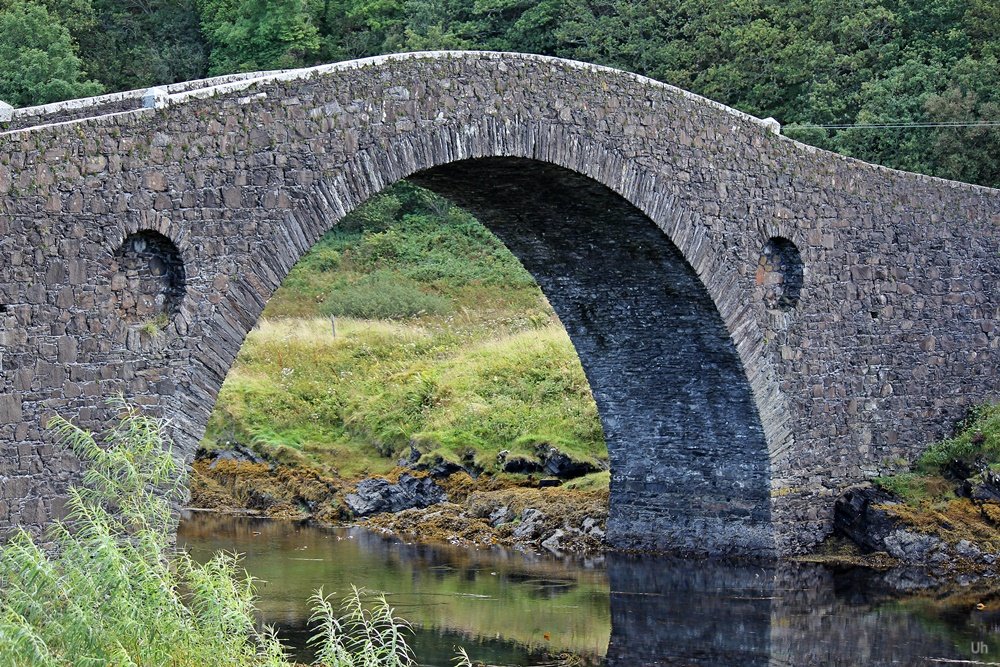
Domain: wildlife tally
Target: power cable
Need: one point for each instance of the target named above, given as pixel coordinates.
(871, 126)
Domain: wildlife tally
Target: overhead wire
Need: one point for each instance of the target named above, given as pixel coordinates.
(868, 126)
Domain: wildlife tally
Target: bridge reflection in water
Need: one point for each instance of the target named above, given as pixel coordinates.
(508, 608)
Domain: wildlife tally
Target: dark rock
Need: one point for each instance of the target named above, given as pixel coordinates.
(546, 483)
(593, 527)
(446, 468)
(554, 541)
(500, 515)
(856, 517)
(983, 487)
(259, 500)
(438, 466)
(377, 495)
(960, 470)
(521, 465)
(413, 458)
(913, 547)
(531, 526)
(562, 466)
(234, 452)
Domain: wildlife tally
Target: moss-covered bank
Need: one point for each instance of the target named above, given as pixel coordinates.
(944, 511)
(490, 510)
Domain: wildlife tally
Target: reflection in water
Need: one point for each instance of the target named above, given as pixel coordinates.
(504, 607)
(507, 608)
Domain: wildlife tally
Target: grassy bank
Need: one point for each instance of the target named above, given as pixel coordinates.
(953, 489)
(443, 344)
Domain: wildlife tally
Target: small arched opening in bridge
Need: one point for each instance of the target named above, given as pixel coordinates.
(688, 455)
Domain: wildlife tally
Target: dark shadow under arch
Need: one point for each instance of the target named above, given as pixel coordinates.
(689, 458)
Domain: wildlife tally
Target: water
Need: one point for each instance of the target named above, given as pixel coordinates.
(507, 608)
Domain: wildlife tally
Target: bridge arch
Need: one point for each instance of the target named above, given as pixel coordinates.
(689, 453)
(243, 175)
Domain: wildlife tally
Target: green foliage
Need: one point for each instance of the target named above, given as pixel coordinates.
(595, 481)
(38, 61)
(359, 635)
(908, 485)
(248, 35)
(130, 44)
(405, 252)
(933, 475)
(381, 296)
(977, 445)
(113, 592)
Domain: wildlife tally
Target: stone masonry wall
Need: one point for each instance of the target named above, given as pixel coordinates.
(892, 337)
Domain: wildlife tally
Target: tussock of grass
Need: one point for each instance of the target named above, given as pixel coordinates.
(931, 502)
(596, 481)
(976, 445)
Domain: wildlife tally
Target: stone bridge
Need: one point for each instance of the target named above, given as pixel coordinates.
(762, 323)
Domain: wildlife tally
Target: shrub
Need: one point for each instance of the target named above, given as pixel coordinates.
(974, 447)
(112, 591)
(381, 296)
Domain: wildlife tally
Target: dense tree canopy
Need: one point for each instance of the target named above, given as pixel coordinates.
(38, 62)
(807, 63)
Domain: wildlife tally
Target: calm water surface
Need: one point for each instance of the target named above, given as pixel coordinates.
(507, 608)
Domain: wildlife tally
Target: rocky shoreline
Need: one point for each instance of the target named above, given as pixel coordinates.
(442, 504)
(445, 503)
(875, 528)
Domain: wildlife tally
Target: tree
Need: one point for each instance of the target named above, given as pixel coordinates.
(140, 43)
(248, 35)
(38, 61)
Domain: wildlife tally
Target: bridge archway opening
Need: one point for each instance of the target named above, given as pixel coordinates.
(688, 455)
(690, 470)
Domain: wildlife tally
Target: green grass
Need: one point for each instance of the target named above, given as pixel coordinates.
(357, 402)
(443, 341)
(596, 481)
(933, 476)
(415, 244)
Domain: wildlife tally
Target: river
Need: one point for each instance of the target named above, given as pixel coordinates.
(508, 608)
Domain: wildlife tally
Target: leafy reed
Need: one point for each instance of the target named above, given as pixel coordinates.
(109, 589)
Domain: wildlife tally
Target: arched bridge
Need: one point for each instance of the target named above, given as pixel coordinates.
(762, 323)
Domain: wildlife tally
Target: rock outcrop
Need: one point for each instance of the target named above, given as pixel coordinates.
(376, 495)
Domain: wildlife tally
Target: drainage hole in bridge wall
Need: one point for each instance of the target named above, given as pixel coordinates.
(779, 272)
(148, 278)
